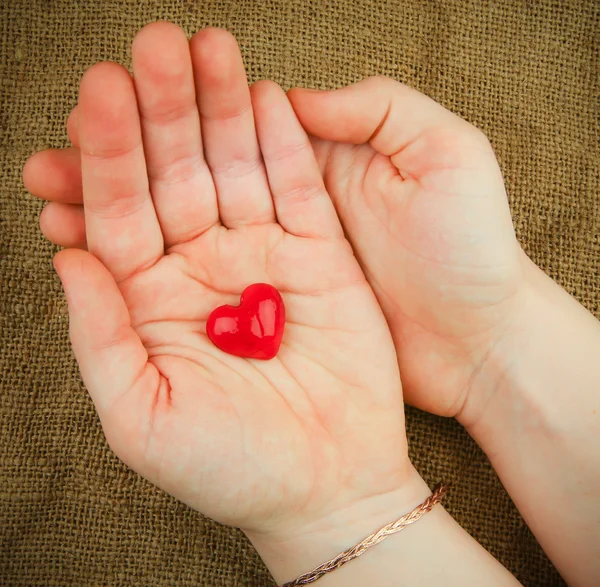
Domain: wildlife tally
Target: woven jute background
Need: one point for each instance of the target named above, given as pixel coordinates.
(526, 72)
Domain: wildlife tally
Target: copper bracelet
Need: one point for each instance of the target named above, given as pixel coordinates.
(341, 559)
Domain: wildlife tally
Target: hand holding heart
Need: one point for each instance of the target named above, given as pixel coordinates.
(253, 329)
(224, 193)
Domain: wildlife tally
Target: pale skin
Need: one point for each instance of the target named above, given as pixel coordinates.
(482, 334)
(422, 200)
(306, 453)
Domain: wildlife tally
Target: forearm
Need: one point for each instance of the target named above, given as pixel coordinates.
(435, 550)
(540, 425)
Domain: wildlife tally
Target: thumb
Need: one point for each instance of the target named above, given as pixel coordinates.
(110, 354)
(378, 110)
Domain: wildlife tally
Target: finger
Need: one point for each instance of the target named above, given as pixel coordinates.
(54, 174)
(385, 113)
(64, 225)
(72, 123)
(110, 354)
(322, 150)
(302, 204)
(230, 143)
(180, 181)
(122, 227)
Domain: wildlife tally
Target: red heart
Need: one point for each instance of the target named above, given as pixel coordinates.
(253, 329)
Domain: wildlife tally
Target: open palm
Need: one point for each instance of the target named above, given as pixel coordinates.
(186, 203)
(421, 199)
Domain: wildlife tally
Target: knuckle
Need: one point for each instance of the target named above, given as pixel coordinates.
(227, 114)
(475, 135)
(237, 167)
(461, 137)
(106, 153)
(117, 207)
(301, 194)
(287, 152)
(177, 171)
(168, 112)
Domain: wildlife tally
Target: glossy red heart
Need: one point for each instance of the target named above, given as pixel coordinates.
(253, 329)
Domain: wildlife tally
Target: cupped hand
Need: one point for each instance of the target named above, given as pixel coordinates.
(186, 203)
(422, 199)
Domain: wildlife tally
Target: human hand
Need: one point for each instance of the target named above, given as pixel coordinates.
(263, 445)
(422, 200)
(481, 332)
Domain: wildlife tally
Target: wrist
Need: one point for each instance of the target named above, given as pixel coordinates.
(536, 416)
(300, 547)
(434, 550)
(521, 379)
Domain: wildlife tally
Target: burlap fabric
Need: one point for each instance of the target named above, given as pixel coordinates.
(526, 72)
